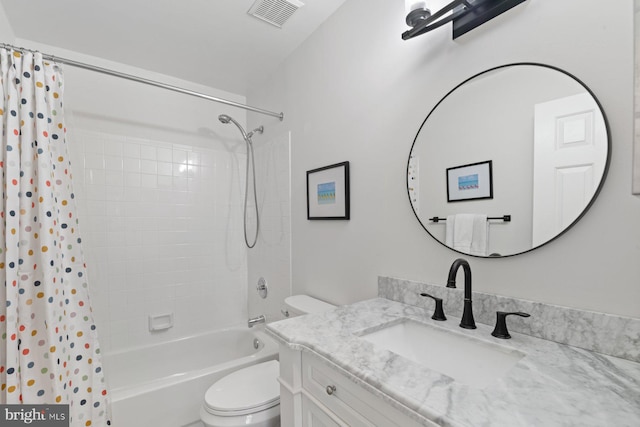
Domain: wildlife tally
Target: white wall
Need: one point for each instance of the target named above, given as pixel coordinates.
(6, 32)
(159, 183)
(355, 91)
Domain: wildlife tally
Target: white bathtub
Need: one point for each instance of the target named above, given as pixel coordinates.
(163, 385)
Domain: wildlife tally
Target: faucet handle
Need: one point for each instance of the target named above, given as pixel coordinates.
(500, 331)
(438, 313)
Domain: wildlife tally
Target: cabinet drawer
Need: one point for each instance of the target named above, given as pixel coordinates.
(349, 401)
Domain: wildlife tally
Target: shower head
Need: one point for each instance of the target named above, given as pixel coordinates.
(226, 119)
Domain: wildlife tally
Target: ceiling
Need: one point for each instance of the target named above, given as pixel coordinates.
(212, 42)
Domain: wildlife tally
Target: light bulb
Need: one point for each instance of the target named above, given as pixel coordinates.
(411, 5)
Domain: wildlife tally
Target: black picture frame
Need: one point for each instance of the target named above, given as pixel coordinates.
(473, 181)
(328, 192)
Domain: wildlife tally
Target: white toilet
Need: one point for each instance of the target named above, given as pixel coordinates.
(251, 396)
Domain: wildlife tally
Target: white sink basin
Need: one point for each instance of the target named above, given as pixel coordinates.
(465, 359)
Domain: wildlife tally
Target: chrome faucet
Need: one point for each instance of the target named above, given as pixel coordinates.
(467, 321)
(255, 320)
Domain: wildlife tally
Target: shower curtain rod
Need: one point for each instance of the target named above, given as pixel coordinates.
(146, 81)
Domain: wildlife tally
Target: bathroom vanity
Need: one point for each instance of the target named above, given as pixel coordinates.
(315, 392)
(351, 367)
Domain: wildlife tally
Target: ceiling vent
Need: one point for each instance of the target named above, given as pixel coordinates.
(275, 12)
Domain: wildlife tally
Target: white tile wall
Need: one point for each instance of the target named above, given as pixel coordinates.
(162, 232)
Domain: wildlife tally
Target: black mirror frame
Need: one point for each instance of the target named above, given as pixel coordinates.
(595, 194)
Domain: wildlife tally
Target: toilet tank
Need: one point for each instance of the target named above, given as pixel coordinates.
(297, 305)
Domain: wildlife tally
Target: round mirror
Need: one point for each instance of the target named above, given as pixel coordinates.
(508, 160)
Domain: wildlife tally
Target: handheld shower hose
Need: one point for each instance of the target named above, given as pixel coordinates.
(250, 161)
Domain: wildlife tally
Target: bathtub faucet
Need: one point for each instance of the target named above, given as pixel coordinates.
(255, 320)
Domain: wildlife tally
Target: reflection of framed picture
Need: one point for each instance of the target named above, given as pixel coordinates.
(328, 192)
(470, 182)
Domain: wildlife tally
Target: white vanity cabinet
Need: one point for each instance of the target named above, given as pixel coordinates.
(315, 393)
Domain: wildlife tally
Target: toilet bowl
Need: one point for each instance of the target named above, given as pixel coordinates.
(251, 396)
(247, 397)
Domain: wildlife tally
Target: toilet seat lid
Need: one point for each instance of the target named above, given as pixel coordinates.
(245, 391)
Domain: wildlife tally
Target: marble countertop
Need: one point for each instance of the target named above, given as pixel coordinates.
(553, 385)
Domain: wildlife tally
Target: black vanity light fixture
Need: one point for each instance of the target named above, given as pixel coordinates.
(465, 14)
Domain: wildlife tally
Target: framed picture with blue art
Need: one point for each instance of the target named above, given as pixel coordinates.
(328, 192)
(470, 182)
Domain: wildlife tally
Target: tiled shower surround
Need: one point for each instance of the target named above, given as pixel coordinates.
(162, 231)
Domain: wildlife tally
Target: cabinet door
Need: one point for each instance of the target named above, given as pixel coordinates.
(313, 416)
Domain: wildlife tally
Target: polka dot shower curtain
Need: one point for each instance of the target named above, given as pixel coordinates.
(49, 351)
